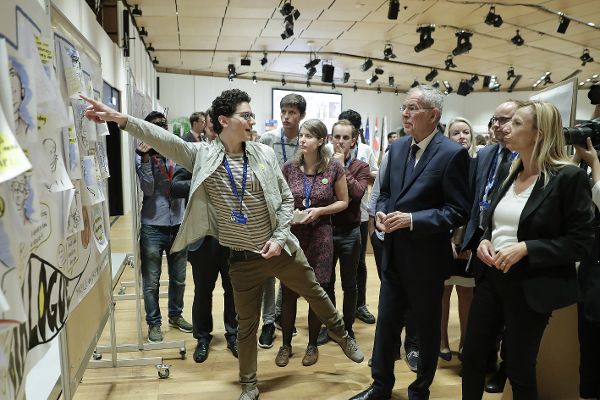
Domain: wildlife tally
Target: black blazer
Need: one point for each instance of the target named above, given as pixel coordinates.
(438, 197)
(556, 224)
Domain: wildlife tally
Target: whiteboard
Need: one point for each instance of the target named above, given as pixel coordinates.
(564, 97)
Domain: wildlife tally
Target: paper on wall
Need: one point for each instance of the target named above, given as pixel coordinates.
(12, 159)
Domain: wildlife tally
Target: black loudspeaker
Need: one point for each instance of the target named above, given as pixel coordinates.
(158, 88)
(327, 73)
(125, 33)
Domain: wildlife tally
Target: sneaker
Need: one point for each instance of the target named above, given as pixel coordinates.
(283, 356)
(311, 356)
(365, 315)
(323, 336)
(412, 360)
(266, 336)
(350, 348)
(232, 345)
(180, 323)
(154, 334)
(249, 394)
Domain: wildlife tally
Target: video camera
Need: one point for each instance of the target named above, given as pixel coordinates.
(579, 134)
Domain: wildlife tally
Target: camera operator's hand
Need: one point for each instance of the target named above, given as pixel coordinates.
(590, 156)
(142, 150)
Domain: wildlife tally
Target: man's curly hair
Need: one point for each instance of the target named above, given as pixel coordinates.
(351, 116)
(225, 104)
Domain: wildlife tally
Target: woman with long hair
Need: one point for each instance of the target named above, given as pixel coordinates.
(318, 184)
(540, 224)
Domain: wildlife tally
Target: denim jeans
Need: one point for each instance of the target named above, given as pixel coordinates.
(154, 240)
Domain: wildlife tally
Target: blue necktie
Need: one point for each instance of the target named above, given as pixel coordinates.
(410, 165)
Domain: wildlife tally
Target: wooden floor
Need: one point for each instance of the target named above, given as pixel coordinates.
(333, 377)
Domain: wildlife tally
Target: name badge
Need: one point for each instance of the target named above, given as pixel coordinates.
(239, 218)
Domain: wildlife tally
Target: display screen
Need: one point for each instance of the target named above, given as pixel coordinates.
(321, 105)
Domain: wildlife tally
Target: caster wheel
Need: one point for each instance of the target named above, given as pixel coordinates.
(97, 356)
(163, 374)
(182, 353)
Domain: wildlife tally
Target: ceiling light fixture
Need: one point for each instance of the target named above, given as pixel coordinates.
(431, 75)
(355, 88)
(463, 43)
(464, 88)
(518, 40)
(155, 61)
(449, 62)
(231, 72)
(143, 32)
(563, 23)
(391, 81)
(396, 92)
(136, 12)
(545, 79)
(585, 57)
(150, 47)
(388, 52)
(290, 14)
(425, 39)
(313, 62)
(379, 71)
(264, 60)
(372, 79)
(288, 30)
(448, 88)
(366, 65)
(393, 9)
(378, 89)
(346, 77)
(514, 83)
(415, 84)
(332, 85)
(436, 84)
(307, 83)
(493, 18)
(311, 72)
(245, 62)
(283, 82)
(254, 79)
(510, 73)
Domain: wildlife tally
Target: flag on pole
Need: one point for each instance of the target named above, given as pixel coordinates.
(367, 138)
(375, 142)
(384, 141)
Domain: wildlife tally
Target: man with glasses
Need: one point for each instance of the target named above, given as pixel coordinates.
(160, 218)
(424, 194)
(197, 125)
(284, 142)
(239, 196)
(491, 168)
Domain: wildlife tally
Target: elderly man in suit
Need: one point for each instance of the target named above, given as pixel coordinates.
(424, 195)
(490, 169)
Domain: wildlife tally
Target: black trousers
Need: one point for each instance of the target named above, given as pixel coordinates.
(500, 297)
(361, 272)
(411, 341)
(589, 350)
(210, 260)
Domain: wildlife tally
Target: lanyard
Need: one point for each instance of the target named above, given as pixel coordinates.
(232, 181)
(491, 181)
(283, 145)
(350, 159)
(162, 169)
(356, 151)
(307, 190)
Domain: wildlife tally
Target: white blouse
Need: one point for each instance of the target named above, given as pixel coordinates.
(505, 222)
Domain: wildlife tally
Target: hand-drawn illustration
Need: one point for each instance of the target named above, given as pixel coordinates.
(98, 228)
(72, 70)
(71, 148)
(24, 109)
(102, 159)
(12, 159)
(23, 197)
(85, 233)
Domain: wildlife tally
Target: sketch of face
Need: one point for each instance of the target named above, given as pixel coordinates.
(18, 92)
(50, 146)
(20, 192)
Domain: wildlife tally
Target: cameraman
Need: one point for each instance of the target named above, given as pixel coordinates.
(589, 280)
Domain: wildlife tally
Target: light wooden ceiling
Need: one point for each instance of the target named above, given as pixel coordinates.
(203, 37)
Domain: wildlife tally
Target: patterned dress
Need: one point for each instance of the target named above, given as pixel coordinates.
(315, 238)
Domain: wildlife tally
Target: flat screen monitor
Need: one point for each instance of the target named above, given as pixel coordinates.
(321, 105)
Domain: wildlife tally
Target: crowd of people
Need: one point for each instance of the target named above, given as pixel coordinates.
(499, 222)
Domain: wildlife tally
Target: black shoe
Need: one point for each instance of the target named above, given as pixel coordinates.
(371, 394)
(232, 345)
(201, 352)
(412, 360)
(323, 336)
(365, 315)
(266, 336)
(496, 382)
(446, 354)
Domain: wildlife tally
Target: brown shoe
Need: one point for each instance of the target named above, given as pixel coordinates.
(283, 356)
(311, 356)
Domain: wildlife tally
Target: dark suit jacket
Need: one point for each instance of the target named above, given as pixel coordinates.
(439, 199)
(556, 225)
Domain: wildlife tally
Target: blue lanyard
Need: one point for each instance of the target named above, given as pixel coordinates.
(283, 145)
(350, 159)
(356, 151)
(491, 181)
(307, 190)
(232, 181)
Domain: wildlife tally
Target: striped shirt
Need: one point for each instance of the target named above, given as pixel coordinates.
(255, 233)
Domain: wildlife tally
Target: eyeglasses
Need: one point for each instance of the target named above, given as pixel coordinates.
(411, 108)
(246, 115)
(500, 120)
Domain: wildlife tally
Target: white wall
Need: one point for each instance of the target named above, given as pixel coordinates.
(184, 94)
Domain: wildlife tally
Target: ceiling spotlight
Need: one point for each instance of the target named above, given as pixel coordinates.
(388, 52)
(307, 83)
(463, 42)
(245, 62)
(431, 75)
(231, 72)
(136, 12)
(425, 39)
(585, 57)
(346, 77)
(355, 88)
(545, 79)
(289, 12)
(143, 32)
(378, 89)
(415, 84)
(510, 73)
(288, 30)
(264, 61)
(464, 88)
(332, 85)
(474, 79)
(254, 79)
(393, 9)
(449, 62)
(448, 88)
(313, 61)
(396, 92)
(155, 61)
(366, 65)
(391, 81)
(563, 23)
(150, 47)
(518, 39)
(372, 79)
(283, 82)
(311, 72)
(379, 71)
(493, 18)
(494, 85)
(436, 84)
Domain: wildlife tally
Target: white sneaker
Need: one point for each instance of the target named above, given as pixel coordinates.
(249, 394)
